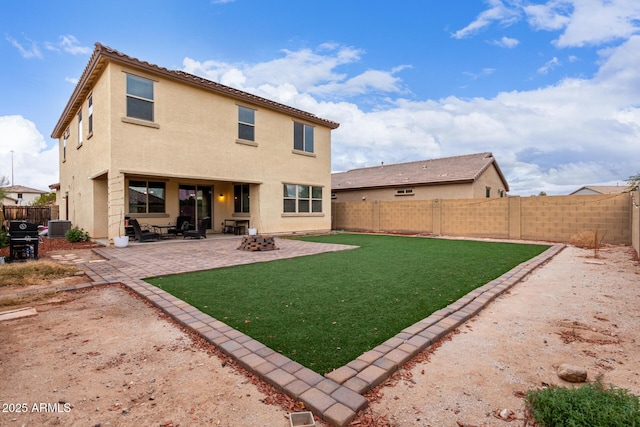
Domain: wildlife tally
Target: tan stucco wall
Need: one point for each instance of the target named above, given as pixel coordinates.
(490, 178)
(192, 140)
(550, 218)
(86, 161)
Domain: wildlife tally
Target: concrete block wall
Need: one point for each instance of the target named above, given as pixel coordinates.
(353, 216)
(406, 216)
(635, 220)
(475, 217)
(558, 218)
(547, 218)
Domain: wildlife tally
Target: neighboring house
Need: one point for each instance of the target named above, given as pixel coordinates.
(143, 141)
(459, 177)
(599, 189)
(21, 195)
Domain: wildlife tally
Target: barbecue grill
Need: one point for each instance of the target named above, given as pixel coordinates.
(23, 241)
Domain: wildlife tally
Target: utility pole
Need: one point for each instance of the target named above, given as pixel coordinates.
(12, 168)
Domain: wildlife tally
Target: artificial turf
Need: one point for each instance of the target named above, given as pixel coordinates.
(325, 310)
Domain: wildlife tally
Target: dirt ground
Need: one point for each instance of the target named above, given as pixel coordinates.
(104, 357)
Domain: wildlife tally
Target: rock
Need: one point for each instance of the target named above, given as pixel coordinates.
(571, 373)
(506, 414)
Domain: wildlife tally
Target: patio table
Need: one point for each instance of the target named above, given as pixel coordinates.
(163, 230)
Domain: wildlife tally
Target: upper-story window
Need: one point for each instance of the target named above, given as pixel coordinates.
(302, 137)
(65, 136)
(139, 98)
(90, 115)
(79, 128)
(246, 124)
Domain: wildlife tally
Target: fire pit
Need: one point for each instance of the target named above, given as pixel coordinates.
(257, 243)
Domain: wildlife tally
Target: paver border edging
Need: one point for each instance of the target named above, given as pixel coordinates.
(336, 397)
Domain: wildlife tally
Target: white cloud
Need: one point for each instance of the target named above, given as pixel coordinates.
(551, 16)
(593, 22)
(498, 11)
(33, 51)
(549, 65)
(483, 73)
(66, 43)
(581, 22)
(71, 45)
(506, 42)
(556, 139)
(34, 165)
(319, 76)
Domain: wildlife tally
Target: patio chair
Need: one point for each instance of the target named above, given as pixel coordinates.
(182, 225)
(200, 232)
(140, 234)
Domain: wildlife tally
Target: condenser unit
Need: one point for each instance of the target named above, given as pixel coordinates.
(58, 228)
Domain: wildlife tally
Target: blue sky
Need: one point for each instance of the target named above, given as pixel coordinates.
(552, 88)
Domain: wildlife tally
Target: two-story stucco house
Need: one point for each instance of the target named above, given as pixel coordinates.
(143, 141)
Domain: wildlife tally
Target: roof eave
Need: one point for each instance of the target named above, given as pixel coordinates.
(405, 184)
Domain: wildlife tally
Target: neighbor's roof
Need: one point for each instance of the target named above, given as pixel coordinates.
(601, 189)
(22, 189)
(448, 170)
(102, 55)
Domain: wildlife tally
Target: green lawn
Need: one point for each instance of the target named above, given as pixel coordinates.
(325, 310)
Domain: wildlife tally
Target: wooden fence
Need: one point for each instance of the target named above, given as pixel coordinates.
(37, 214)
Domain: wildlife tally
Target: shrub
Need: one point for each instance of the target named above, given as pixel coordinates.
(4, 240)
(76, 234)
(589, 405)
(584, 240)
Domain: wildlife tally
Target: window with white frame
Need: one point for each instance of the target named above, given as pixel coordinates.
(246, 124)
(65, 136)
(302, 198)
(302, 137)
(90, 114)
(139, 98)
(79, 128)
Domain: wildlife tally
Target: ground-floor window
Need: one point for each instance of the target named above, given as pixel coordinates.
(302, 198)
(241, 198)
(146, 197)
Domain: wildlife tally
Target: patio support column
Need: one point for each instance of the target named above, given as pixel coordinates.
(116, 204)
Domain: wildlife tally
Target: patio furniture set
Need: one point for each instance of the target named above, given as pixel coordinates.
(181, 227)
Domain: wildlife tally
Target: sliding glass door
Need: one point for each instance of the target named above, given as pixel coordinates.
(196, 202)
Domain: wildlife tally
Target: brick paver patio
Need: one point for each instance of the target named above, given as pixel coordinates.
(336, 397)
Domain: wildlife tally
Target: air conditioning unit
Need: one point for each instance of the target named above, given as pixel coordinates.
(58, 228)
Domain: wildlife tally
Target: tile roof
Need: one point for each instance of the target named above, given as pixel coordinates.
(102, 55)
(603, 189)
(22, 189)
(448, 170)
